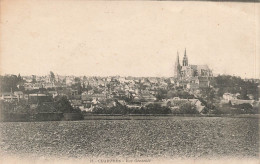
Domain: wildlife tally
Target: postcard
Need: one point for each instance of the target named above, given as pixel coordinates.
(97, 82)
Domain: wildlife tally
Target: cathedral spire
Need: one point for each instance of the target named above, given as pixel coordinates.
(177, 67)
(177, 59)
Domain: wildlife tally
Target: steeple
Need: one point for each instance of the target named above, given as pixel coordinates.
(177, 67)
(185, 59)
(177, 59)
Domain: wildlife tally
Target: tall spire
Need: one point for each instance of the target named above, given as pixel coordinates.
(177, 59)
(177, 67)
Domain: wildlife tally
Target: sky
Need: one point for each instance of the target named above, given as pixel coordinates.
(137, 38)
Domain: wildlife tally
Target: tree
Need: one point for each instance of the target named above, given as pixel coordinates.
(83, 86)
(161, 94)
(156, 109)
(19, 78)
(246, 107)
(232, 84)
(77, 80)
(52, 76)
(188, 108)
(179, 93)
(208, 95)
(77, 85)
(171, 94)
(84, 78)
(63, 105)
(88, 88)
(9, 83)
(243, 94)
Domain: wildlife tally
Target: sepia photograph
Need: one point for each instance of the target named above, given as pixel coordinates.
(92, 82)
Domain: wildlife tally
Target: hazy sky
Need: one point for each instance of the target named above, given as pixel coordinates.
(139, 38)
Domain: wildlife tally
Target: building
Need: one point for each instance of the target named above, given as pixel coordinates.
(239, 102)
(229, 96)
(176, 102)
(19, 94)
(186, 70)
(190, 76)
(8, 96)
(39, 98)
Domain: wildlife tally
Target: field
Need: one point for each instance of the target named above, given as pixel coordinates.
(171, 137)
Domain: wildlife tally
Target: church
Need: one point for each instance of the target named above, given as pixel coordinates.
(186, 70)
(193, 76)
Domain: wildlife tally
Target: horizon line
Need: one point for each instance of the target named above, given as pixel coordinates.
(214, 75)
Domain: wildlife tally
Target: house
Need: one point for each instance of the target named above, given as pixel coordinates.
(192, 86)
(95, 103)
(76, 103)
(53, 93)
(250, 96)
(175, 102)
(172, 81)
(68, 81)
(238, 102)
(161, 103)
(148, 97)
(98, 96)
(199, 105)
(28, 86)
(153, 80)
(39, 98)
(74, 97)
(37, 86)
(19, 94)
(110, 103)
(229, 96)
(122, 102)
(203, 82)
(84, 93)
(86, 97)
(122, 79)
(8, 96)
(136, 98)
(132, 106)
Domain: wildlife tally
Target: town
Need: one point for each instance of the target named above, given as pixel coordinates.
(192, 90)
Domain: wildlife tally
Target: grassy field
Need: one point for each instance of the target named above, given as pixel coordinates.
(170, 137)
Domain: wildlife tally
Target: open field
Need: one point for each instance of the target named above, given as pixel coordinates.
(172, 137)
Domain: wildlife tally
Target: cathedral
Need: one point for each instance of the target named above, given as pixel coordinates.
(187, 71)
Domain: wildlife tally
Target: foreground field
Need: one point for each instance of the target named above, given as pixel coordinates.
(174, 137)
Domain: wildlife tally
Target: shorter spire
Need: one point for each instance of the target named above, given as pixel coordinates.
(185, 59)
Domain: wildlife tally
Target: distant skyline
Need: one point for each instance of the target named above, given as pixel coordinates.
(139, 38)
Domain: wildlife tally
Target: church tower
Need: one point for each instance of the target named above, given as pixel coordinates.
(177, 68)
(185, 59)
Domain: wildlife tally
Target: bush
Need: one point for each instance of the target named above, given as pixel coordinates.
(156, 109)
(205, 110)
(246, 108)
(150, 109)
(14, 107)
(63, 105)
(235, 109)
(188, 108)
